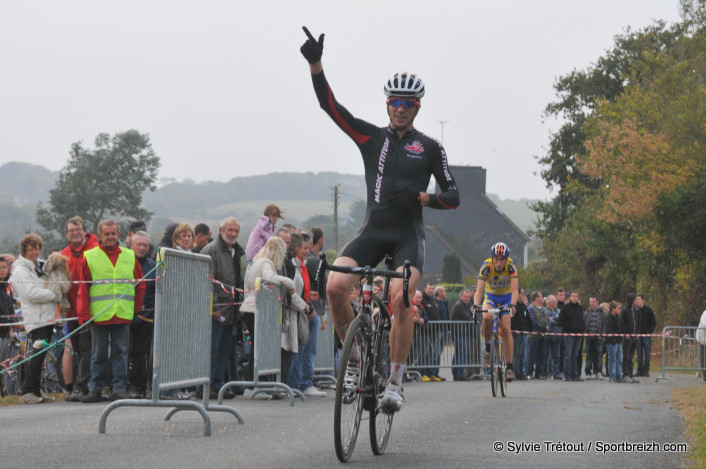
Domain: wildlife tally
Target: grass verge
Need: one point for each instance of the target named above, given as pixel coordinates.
(691, 403)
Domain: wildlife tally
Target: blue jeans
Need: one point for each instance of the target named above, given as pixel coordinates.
(302, 375)
(460, 356)
(535, 365)
(615, 360)
(572, 346)
(644, 348)
(552, 354)
(436, 342)
(222, 346)
(519, 357)
(110, 346)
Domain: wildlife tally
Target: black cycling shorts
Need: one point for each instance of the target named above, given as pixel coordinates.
(388, 232)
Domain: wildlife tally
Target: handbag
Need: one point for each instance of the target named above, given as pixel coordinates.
(302, 328)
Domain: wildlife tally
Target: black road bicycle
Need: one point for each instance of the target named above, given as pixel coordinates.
(361, 384)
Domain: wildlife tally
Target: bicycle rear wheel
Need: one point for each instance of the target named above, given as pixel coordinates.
(11, 377)
(493, 366)
(348, 406)
(380, 423)
(501, 371)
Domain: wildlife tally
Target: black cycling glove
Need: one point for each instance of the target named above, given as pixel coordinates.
(312, 49)
(404, 199)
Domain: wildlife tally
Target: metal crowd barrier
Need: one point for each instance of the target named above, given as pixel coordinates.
(325, 360)
(182, 337)
(447, 344)
(268, 339)
(680, 350)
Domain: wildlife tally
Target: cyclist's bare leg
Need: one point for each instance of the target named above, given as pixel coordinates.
(508, 344)
(487, 327)
(402, 331)
(337, 289)
(67, 363)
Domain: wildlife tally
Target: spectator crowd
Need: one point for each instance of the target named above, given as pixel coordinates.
(112, 299)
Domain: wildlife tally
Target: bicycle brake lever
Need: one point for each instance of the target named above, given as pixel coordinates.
(406, 273)
(319, 277)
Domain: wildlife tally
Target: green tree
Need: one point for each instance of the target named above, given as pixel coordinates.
(578, 93)
(105, 181)
(630, 212)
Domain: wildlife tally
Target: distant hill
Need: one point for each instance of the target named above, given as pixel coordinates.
(25, 184)
(301, 195)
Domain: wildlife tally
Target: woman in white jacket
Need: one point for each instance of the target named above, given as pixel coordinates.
(39, 305)
(265, 265)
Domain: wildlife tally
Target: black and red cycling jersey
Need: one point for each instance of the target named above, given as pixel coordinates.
(391, 164)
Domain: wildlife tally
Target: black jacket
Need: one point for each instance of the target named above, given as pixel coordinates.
(431, 307)
(646, 321)
(571, 317)
(7, 307)
(611, 325)
(461, 312)
(521, 321)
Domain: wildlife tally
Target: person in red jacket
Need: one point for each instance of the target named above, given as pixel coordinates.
(79, 241)
(110, 329)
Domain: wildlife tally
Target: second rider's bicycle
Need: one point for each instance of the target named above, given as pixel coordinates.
(498, 364)
(361, 383)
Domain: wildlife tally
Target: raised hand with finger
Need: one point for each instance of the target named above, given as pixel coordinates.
(312, 49)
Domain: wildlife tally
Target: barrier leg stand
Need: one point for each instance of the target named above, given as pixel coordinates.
(187, 405)
(664, 371)
(207, 406)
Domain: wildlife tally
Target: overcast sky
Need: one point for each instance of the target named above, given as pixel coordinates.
(221, 88)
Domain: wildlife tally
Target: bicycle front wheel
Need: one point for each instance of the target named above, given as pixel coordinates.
(380, 423)
(493, 366)
(348, 406)
(502, 366)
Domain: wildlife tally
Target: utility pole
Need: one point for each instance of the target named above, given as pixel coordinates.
(442, 130)
(335, 217)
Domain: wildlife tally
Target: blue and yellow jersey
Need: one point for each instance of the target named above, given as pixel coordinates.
(497, 283)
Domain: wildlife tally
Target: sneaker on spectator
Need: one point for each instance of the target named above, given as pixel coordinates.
(92, 396)
(260, 396)
(31, 398)
(75, 395)
(116, 396)
(47, 399)
(437, 378)
(392, 399)
(426, 378)
(314, 391)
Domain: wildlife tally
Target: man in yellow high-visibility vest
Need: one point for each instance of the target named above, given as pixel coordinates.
(111, 301)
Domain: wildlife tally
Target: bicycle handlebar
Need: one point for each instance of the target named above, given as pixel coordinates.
(366, 271)
(479, 309)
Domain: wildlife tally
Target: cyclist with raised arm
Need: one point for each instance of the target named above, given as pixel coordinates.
(399, 162)
(498, 279)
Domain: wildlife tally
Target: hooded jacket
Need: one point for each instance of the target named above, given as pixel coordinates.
(39, 304)
(628, 316)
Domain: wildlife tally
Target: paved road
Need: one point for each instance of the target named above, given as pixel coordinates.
(450, 424)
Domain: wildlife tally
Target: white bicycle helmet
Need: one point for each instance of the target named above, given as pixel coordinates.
(405, 85)
(500, 250)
